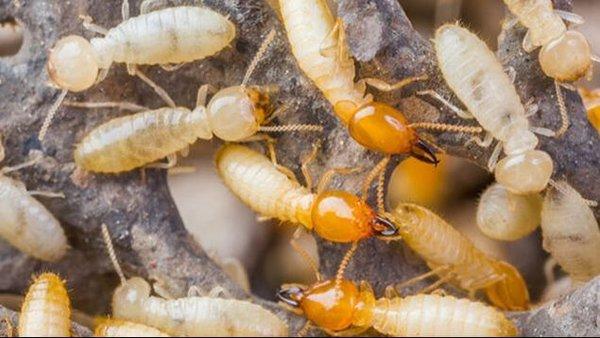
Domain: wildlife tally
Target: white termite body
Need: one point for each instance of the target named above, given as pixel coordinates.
(570, 232)
(477, 78)
(194, 316)
(123, 328)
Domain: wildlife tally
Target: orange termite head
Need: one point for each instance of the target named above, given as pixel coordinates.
(510, 293)
(330, 306)
(341, 217)
(382, 128)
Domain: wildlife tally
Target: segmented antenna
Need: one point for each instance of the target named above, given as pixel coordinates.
(111, 253)
(257, 57)
(344, 264)
(51, 114)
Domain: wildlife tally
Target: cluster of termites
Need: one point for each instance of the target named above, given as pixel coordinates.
(523, 197)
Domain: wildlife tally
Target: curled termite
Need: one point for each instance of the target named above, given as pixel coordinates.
(24, 222)
(591, 100)
(570, 232)
(192, 315)
(477, 78)
(233, 114)
(121, 328)
(456, 260)
(166, 36)
(46, 311)
(506, 216)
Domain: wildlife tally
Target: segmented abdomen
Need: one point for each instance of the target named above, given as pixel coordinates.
(132, 141)
(46, 310)
(432, 315)
(308, 25)
(477, 78)
(259, 184)
(27, 224)
(538, 16)
(123, 328)
(171, 35)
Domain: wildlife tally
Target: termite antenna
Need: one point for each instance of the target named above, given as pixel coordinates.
(564, 116)
(447, 127)
(380, 192)
(344, 264)
(111, 253)
(258, 56)
(291, 127)
(51, 114)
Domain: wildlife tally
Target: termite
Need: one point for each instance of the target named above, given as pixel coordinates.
(565, 54)
(455, 259)
(341, 308)
(570, 232)
(475, 75)
(591, 100)
(192, 315)
(312, 31)
(166, 36)
(233, 114)
(506, 216)
(24, 222)
(46, 311)
(122, 328)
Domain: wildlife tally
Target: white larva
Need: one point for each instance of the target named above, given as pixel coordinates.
(570, 232)
(477, 78)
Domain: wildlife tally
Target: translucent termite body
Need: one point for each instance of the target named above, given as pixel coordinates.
(123, 328)
(565, 54)
(570, 232)
(334, 215)
(346, 309)
(375, 125)
(477, 78)
(506, 216)
(46, 311)
(455, 259)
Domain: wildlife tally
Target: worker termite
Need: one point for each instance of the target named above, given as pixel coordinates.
(334, 215)
(506, 216)
(233, 114)
(46, 311)
(166, 36)
(192, 315)
(121, 328)
(455, 259)
(591, 100)
(570, 232)
(477, 78)
(341, 308)
(24, 222)
(317, 42)
(565, 55)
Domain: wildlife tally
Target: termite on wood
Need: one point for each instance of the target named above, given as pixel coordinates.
(167, 36)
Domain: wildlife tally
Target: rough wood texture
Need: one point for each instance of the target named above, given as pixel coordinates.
(149, 236)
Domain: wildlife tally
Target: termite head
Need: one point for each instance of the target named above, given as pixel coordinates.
(567, 58)
(72, 64)
(339, 216)
(236, 113)
(526, 172)
(382, 128)
(130, 294)
(510, 293)
(330, 305)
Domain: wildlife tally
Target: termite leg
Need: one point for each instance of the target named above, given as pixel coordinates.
(306, 162)
(386, 87)
(543, 131)
(171, 162)
(304, 254)
(218, 292)
(549, 267)
(438, 270)
(203, 93)
(373, 175)
(493, 160)
(486, 142)
(327, 46)
(328, 175)
(390, 292)
(439, 292)
(102, 73)
(195, 291)
(564, 115)
(570, 17)
(435, 95)
(446, 278)
(125, 10)
(273, 155)
(531, 107)
(172, 67)
(133, 70)
(2, 150)
(88, 24)
(148, 6)
(130, 106)
(48, 194)
(160, 289)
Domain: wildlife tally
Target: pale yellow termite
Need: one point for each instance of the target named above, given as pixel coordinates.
(24, 222)
(570, 232)
(477, 78)
(122, 328)
(233, 114)
(506, 216)
(166, 36)
(455, 259)
(46, 311)
(190, 316)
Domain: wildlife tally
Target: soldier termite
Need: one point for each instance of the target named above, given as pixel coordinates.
(455, 259)
(570, 232)
(477, 78)
(506, 216)
(342, 309)
(122, 328)
(26, 223)
(565, 55)
(591, 100)
(233, 114)
(166, 36)
(192, 315)
(46, 311)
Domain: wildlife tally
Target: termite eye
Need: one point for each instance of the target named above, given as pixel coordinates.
(290, 295)
(72, 64)
(567, 58)
(384, 227)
